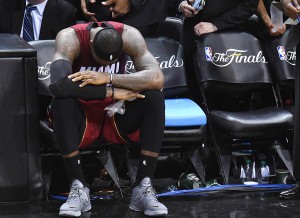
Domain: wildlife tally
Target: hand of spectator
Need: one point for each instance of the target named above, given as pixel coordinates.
(89, 16)
(291, 8)
(187, 10)
(276, 32)
(204, 28)
(118, 7)
(125, 94)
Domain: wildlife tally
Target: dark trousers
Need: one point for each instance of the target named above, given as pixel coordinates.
(147, 114)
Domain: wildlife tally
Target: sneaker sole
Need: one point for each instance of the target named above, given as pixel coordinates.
(74, 213)
(70, 213)
(87, 208)
(156, 213)
(148, 212)
(134, 208)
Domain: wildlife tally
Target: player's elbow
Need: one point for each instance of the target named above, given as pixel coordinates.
(158, 81)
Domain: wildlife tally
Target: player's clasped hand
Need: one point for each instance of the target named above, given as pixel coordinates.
(89, 77)
(100, 78)
(125, 94)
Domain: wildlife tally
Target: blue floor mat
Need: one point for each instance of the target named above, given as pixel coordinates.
(227, 188)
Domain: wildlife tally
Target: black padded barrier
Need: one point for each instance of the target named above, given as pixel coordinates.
(20, 163)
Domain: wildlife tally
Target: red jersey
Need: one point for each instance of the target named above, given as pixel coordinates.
(98, 124)
(85, 61)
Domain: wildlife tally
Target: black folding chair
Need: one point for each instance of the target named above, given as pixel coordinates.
(239, 97)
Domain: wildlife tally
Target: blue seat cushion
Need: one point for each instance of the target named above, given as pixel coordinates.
(183, 112)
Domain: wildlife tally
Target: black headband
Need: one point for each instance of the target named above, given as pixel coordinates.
(107, 56)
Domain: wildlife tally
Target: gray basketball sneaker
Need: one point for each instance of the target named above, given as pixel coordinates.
(78, 201)
(144, 200)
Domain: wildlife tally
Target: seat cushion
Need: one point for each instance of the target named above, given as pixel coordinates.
(257, 122)
(182, 134)
(183, 112)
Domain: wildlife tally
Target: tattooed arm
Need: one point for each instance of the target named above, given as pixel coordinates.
(67, 45)
(149, 74)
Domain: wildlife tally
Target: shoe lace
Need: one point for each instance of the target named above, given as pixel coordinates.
(73, 195)
(150, 193)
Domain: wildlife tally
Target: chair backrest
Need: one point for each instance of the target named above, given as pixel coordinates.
(45, 51)
(171, 27)
(168, 51)
(169, 54)
(231, 60)
(282, 60)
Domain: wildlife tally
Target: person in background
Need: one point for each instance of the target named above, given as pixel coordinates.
(215, 16)
(77, 4)
(48, 17)
(87, 76)
(262, 27)
(263, 11)
(141, 14)
(292, 10)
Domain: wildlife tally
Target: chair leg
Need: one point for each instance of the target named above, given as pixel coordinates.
(46, 184)
(132, 164)
(47, 169)
(225, 159)
(195, 158)
(223, 155)
(285, 156)
(132, 161)
(107, 161)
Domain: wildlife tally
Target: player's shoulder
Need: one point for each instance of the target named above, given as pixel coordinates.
(65, 34)
(130, 32)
